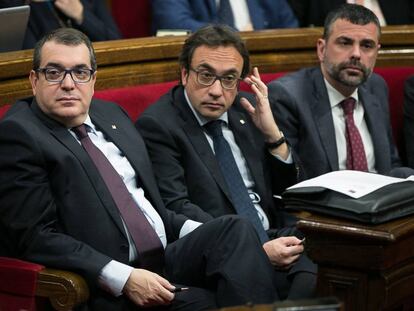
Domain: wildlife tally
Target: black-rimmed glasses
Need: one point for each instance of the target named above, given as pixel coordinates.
(78, 75)
(207, 78)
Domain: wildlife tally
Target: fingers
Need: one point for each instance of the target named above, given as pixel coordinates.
(165, 283)
(247, 105)
(257, 85)
(290, 240)
(146, 288)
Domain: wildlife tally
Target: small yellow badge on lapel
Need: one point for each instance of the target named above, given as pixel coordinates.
(242, 121)
(113, 126)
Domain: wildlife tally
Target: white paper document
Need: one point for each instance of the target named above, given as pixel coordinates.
(352, 183)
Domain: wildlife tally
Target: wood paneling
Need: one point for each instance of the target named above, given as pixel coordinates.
(150, 60)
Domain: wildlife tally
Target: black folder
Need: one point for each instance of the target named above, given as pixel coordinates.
(384, 204)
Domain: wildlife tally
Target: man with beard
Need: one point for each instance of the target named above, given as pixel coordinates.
(336, 116)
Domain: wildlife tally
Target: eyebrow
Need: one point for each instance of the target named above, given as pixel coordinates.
(57, 65)
(348, 39)
(208, 67)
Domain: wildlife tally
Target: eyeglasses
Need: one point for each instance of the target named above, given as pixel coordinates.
(207, 78)
(78, 75)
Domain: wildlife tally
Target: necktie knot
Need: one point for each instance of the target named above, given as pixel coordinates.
(80, 131)
(348, 105)
(213, 128)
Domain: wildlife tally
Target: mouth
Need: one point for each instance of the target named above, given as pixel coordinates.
(213, 105)
(67, 100)
(353, 68)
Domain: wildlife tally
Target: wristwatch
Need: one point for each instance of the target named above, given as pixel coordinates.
(277, 143)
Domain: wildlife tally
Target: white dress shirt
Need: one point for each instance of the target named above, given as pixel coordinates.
(241, 13)
(339, 124)
(115, 274)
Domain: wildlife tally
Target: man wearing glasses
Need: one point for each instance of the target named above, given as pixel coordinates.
(78, 193)
(216, 151)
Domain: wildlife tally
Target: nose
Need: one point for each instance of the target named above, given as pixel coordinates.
(216, 90)
(67, 82)
(356, 51)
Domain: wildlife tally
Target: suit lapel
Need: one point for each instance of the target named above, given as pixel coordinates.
(198, 139)
(372, 114)
(243, 135)
(321, 111)
(63, 135)
(255, 14)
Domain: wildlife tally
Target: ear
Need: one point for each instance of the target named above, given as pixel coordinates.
(320, 48)
(184, 76)
(34, 79)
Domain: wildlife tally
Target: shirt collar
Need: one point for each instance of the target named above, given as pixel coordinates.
(335, 97)
(200, 119)
(90, 126)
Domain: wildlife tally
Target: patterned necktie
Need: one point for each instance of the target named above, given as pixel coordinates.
(355, 153)
(147, 242)
(225, 13)
(238, 191)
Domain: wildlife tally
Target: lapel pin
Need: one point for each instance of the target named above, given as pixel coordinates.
(242, 121)
(113, 126)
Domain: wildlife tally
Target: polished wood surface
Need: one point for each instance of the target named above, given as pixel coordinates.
(64, 290)
(368, 267)
(150, 60)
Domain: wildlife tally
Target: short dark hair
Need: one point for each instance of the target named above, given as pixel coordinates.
(354, 13)
(66, 36)
(214, 36)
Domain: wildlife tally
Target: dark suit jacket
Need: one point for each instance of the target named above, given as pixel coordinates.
(313, 12)
(187, 172)
(194, 14)
(301, 107)
(55, 208)
(409, 120)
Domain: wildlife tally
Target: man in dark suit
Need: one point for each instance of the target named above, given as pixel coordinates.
(188, 158)
(60, 209)
(243, 15)
(314, 12)
(309, 105)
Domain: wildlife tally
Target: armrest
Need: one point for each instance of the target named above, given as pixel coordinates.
(64, 289)
(21, 281)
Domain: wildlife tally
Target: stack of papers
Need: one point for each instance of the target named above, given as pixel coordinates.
(352, 183)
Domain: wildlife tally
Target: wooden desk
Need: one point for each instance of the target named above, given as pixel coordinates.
(368, 267)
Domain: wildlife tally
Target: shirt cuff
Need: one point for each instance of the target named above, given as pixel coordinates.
(114, 276)
(288, 160)
(188, 227)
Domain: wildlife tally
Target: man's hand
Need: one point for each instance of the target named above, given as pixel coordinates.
(72, 9)
(146, 289)
(283, 252)
(262, 114)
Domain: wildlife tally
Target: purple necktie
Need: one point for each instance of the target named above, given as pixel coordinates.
(355, 152)
(147, 242)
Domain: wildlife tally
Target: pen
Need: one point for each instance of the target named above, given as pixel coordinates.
(179, 289)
